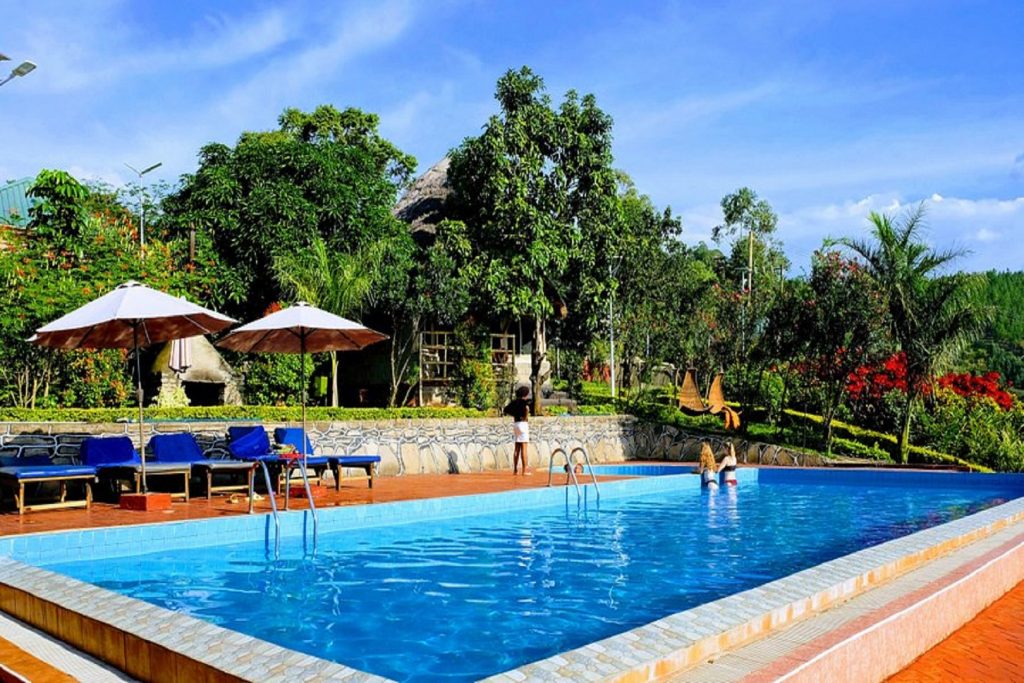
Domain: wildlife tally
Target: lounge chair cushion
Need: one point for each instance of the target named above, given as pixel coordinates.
(248, 443)
(115, 451)
(40, 467)
(346, 460)
(181, 447)
(292, 436)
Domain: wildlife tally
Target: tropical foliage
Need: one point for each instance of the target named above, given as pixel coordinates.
(878, 350)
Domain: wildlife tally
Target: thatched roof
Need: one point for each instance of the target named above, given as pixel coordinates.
(207, 363)
(423, 204)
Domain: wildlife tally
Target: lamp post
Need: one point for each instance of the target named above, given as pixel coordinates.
(20, 70)
(612, 273)
(142, 201)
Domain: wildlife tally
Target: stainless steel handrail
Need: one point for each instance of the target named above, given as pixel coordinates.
(590, 468)
(273, 506)
(569, 467)
(312, 506)
(309, 494)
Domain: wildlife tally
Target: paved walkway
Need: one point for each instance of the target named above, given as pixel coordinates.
(989, 648)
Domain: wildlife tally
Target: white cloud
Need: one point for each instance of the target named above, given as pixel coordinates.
(349, 36)
(982, 227)
(97, 47)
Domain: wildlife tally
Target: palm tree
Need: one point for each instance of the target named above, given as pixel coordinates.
(339, 282)
(930, 315)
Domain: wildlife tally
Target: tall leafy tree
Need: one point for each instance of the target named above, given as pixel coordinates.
(338, 282)
(326, 174)
(80, 244)
(751, 278)
(834, 325)
(537, 194)
(931, 315)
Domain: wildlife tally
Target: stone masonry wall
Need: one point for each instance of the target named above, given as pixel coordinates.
(426, 446)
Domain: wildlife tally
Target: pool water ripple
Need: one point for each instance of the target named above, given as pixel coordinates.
(461, 599)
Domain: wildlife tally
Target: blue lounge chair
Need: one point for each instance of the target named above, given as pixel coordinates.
(15, 473)
(183, 449)
(116, 458)
(250, 442)
(292, 436)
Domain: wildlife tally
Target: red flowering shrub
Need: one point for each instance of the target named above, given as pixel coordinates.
(872, 382)
(973, 387)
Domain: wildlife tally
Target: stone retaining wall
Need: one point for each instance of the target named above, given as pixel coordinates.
(428, 446)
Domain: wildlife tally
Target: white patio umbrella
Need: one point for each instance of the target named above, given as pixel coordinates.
(301, 329)
(132, 316)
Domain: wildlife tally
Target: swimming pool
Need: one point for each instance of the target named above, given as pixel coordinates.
(460, 597)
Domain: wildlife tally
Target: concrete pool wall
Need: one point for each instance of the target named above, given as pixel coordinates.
(430, 446)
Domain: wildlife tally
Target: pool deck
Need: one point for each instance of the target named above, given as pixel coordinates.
(989, 647)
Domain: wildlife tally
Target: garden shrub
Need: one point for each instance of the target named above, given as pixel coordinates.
(228, 413)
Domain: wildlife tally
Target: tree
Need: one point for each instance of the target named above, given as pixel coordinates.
(537, 194)
(930, 316)
(326, 174)
(433, 283)
(661, 287)
(79, 245)
(750, 279)
(838, 324)
(338, 282)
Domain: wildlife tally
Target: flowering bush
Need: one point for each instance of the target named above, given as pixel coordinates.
(976, 428)
(974, 387)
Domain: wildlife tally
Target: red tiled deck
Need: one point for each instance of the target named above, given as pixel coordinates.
(385, 490)
(988, 648)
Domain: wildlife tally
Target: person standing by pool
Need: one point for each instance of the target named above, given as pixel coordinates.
(706, 467)
(727, 470)
(519, 410)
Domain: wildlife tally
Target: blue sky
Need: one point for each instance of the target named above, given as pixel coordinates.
(827, 109)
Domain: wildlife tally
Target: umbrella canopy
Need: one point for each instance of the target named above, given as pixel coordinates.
(131, 316)
(300, 329)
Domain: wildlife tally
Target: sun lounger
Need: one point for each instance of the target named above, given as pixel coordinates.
(16, 473)
(251, 442)
(293, 436)
(183, 449)
(116, 458)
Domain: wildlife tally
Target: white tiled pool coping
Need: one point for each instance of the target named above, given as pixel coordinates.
(662, 647)
(682, 640)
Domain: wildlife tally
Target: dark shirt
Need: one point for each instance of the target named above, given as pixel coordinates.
(518, 409)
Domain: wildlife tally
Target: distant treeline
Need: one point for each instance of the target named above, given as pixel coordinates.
(1001, 347)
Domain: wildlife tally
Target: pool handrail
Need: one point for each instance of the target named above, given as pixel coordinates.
(569, 468)
(590, 468)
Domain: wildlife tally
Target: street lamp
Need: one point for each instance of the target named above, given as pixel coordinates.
(20, 70)
(142, 200)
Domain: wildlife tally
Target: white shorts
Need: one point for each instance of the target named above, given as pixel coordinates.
(521, 431)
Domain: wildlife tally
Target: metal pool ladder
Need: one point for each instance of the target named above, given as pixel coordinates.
(273, 505)
(572, 469)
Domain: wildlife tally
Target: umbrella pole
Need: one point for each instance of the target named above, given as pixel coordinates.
(138, 398)
(302, 356)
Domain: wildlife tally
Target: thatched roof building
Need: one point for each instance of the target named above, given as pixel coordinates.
(423, 205)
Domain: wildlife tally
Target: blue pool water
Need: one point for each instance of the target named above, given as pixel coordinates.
(460, 599)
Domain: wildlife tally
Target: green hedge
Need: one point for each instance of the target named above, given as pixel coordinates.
(591, 410)
(260, 413)
(266, 413)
